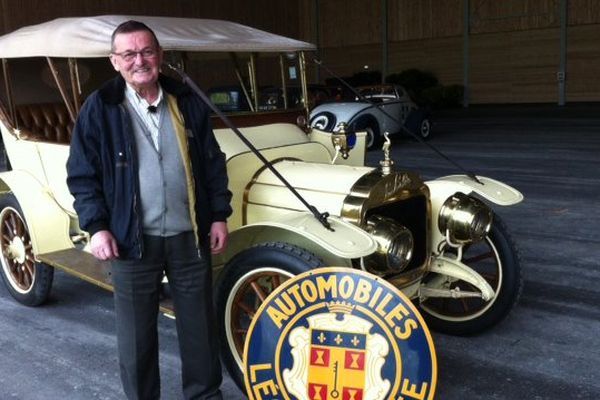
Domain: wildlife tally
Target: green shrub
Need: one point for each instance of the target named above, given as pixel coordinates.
(453, 96)
(414, 81)
(365, 78)
(432, 96)
(422, 86)
(426, 90)
(440, 96)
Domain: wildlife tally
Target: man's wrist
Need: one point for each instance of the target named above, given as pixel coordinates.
(96, 227)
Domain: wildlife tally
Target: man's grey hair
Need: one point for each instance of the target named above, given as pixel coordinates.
(129, 27)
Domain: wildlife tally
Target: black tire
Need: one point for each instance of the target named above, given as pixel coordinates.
(497, 260)
(324, 121)
(374, 137)
(418, 124)
(265, 265)
(28, 281)
(425, 129)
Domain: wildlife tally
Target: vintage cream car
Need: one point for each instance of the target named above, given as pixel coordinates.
(435, 240)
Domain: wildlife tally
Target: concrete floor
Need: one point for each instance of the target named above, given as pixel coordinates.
(549, 348)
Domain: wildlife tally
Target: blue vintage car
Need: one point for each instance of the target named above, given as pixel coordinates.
(381, 108)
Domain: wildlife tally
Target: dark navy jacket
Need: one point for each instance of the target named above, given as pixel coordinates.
(102, 166)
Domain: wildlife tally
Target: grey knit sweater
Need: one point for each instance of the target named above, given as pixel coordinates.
(163, 191)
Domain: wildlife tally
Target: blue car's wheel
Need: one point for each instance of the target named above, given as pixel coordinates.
(369, 125)
(425, 128)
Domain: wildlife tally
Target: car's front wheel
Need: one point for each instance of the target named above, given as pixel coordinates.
(496, 259)
(27, 280)
(244, 284)
(371, 127)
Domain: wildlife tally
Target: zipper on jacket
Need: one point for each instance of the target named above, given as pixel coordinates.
(135, 177)
(195, 223)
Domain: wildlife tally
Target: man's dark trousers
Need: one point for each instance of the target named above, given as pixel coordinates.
(137, 288)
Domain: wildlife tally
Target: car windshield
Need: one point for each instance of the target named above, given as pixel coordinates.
(382, 91)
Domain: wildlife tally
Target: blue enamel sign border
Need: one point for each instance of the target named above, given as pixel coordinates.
(338, 333)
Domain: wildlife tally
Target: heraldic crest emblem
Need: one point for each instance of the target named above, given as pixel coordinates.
(332, 359)
(339, 334)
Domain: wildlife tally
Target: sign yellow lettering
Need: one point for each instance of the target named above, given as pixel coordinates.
(287, 306)
(328, 285)
(346, 287)
(375, 297)
(409, 389)
(256, 368)
(363, 291)
(409, 325)
(268, 387)
(294, 291)
(309, 291)
(381, 307)
(398, 313)
(276, 316)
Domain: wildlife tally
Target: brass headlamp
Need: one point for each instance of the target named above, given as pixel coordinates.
(464, 219)
(395, 246)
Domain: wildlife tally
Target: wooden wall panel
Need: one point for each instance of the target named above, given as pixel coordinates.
(349, 60)
(441, 56)
(534, 61)
(583, 12)
(583, 66)
(514, 52)
(307, 21)
(514, 67)
(349, 22)
(416, 20)
(358, 22)
(488, 69)
(513, 15)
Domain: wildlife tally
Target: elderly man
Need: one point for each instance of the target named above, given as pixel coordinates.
(150, 187)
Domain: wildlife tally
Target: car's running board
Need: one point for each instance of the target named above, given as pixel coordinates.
(84, 266)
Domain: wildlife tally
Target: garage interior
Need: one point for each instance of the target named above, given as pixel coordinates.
(528, 116)
(502, 52)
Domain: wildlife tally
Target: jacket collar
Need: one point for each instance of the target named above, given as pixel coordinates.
(113, 91)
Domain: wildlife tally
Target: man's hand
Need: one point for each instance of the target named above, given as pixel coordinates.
(104, 245)
(218, 237)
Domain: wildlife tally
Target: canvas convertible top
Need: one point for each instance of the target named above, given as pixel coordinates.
(81, 37)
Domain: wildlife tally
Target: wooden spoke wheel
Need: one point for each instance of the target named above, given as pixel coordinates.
(28, 281)
(496, 260)
(244, 284)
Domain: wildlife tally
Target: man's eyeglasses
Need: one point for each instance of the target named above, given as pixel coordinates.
(129, 56)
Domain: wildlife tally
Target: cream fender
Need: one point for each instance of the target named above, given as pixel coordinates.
(48, 224)
(444, 187)
(490, 189)
(344, 243)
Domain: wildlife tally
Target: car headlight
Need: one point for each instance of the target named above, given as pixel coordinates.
(301, 121)
(395, 246)
(464, 219)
